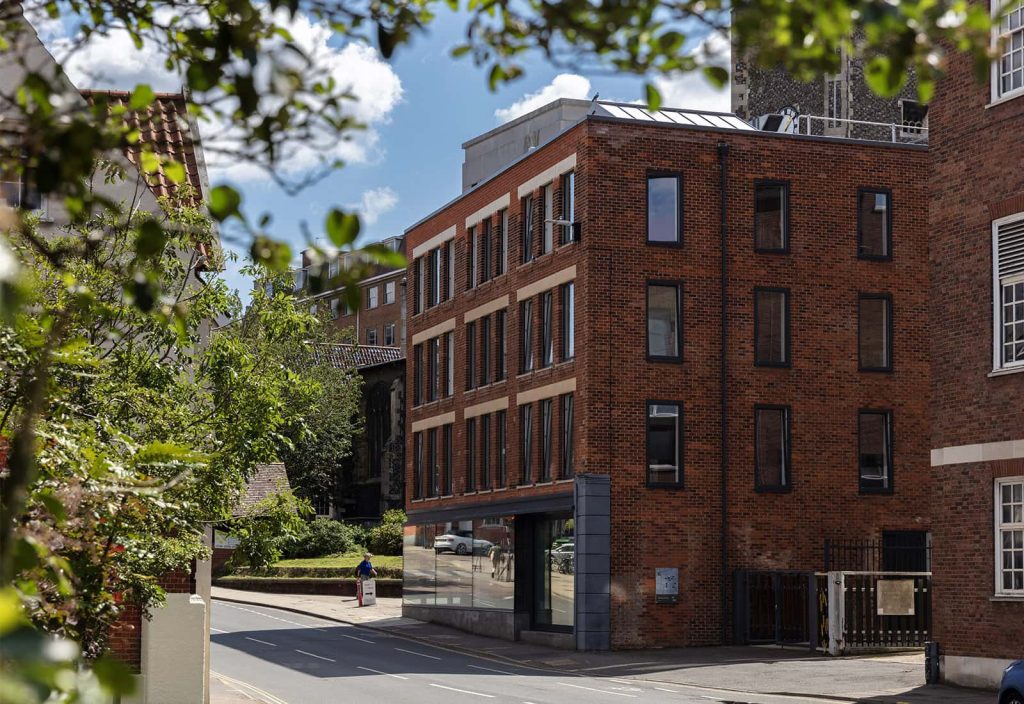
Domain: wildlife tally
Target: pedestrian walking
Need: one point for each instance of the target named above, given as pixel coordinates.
(495, 554)
(364, 571)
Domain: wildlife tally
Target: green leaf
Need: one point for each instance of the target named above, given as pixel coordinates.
(653, 97)
(385, 256)
(150, 162)
(114, 676)
(175, 171)
(11, 614)
(717, 76)
(273, 255)
(151, 239)
(342, 227)
(142, 97)
(224, 202)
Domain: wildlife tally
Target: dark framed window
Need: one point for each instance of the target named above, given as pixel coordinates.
(485, 350)
(432, 462)
(371, 336)
(875, 450)
(664, 321)
(434, 365)
(545, 430)
(568, 205)
(449, 254)
(502, 242)
(665, 208)
(447, 439)
(485, 249)
(435, 276)
(449, 363)
(874, 332)
(417, 375)
(547, 352)
(471, 260)
(569, 320)
(501, 448)
(771, 448)
(548, 193)
(771, 216)
(485, 451)
(771, 327)
(500, 344)
(568, 433)
(421, 284)
(526, 443)
(527, 235)
(471, 355)
(664, 443)
(471, 455)
(526, 336)
(874, 223)
(417, 466)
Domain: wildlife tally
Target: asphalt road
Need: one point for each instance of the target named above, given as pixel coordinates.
(286, 658)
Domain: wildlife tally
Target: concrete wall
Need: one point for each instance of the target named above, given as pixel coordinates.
(495, 624)
(964, 671)
(174, 647)
(593, 562)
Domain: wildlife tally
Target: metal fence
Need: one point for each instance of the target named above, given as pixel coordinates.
(896, 552)
(878, 610)
(910, 133)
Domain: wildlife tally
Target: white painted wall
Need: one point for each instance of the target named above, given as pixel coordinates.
(174, 651)
(984, 673)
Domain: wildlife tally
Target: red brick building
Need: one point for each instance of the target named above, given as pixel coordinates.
(977, 340)
(652, 354)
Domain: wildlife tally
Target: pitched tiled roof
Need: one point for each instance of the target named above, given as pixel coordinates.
(267, 480)
(163, 127)
(357, 356)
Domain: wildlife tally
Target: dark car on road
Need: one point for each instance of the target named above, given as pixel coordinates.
(1011, 691)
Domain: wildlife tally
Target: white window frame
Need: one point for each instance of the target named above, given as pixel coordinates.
(389, 292)
(372, 298)
(335, 308)
(389, 334)
(999, 527)
(334, 267)
(997, 297)
(997, 15)
(371, 337)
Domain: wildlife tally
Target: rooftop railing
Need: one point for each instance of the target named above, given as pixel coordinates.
(905, 133)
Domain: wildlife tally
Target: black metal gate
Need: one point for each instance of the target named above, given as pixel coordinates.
(775, 606)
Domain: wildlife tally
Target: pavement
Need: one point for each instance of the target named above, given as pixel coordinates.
(754, 675)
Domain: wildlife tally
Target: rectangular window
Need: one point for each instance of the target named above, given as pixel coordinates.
(664, 443)
(526, 336)
(569, 320)
(547, 353)
(389, 292)
(435, 276)
(433, 386)
(431, 484)
(417, 375)
(500, 447)
(549, 216)
(335, 308)
(874, 224)
(449, 253)
(417, 466)
(1008, 68)
(1008, 292)
(771, 448)
(771, 217)
(446, 481)
(500, 345)
(545, 426)
(1010, 536)
(875, 441)
(421, 284)
(875, 332)
(485, 350)
(333, 267)
(568, 205)
(527, 235)
(568, 433)
(471, 355)
(485, 250)
(526, 447)
(664, 325)
(449, 354)
(485, 452)
(471, 454)
(664, 209)
(503, 243)
(771, 327)
(471, 260)
(389, 334)
(371, 336)
(371, 297)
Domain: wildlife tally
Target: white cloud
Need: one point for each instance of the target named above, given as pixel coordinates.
(691, 90)
(374, 203)
(112, 61)
(564, 85)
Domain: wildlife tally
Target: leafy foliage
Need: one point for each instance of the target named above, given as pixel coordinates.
(386, 539)
(260, 532)
(322, 536)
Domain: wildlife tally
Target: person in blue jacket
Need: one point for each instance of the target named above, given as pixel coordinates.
(365, 569)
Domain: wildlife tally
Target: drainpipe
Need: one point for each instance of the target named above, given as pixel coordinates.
(723, 193)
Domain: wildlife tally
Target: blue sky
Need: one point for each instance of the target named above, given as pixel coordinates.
(421, 106)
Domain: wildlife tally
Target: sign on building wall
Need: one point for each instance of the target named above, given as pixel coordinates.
(666, 585)
(223, 539)
(895, 597)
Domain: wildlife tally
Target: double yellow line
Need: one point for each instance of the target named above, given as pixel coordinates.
(247, 688)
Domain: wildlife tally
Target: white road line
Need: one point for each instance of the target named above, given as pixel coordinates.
(314, 655)
(602, 691)
(609, 667)
(662, 689)
(257, 640)
(491, 669)
(371, 642)
(463, 691)
(370, 669)
(218, 630)
(422, 655)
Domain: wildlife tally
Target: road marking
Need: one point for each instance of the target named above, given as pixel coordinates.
(371, 642)
(314, 655)
(264, 695)
(370, 669)
(464, 691)
(662, 689)
(257, 640)
(422, 655)
(609, 667)
(491, 669)
(218, 630)
(602, 691)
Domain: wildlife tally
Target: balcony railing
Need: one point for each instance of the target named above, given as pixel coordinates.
(908, 133)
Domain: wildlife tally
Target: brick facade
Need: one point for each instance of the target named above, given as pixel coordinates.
(679, 527)
(377, 318)
(977, 153)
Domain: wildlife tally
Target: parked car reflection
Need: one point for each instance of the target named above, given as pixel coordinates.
(461, 543)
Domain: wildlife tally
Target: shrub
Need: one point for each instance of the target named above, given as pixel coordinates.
(323, 536)
(394, 515)
(386, 539)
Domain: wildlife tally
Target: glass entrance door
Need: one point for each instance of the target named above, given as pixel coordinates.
(554, 566)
